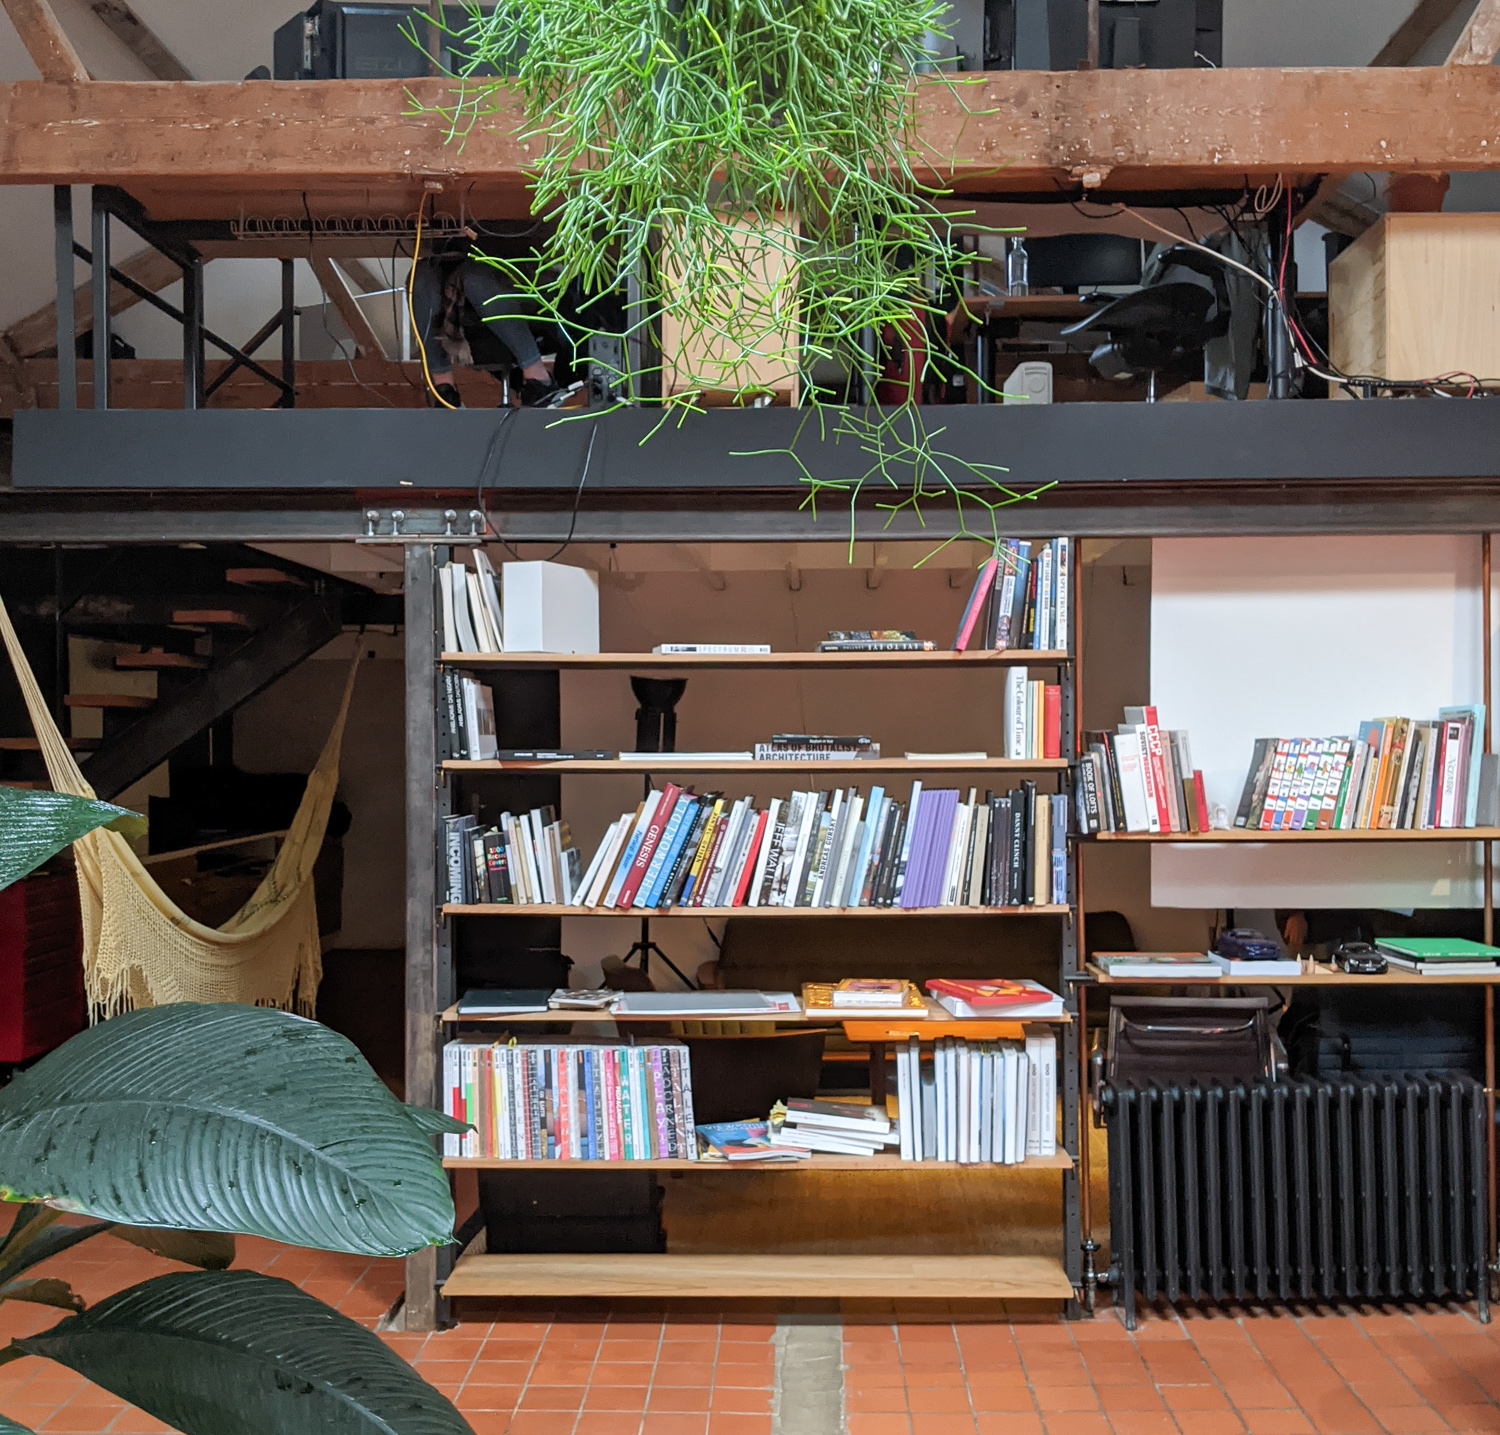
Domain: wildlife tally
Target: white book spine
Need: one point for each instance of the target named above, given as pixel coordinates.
(835, 831)
(1016, 742)
(592, 870)
(903, 1101)
(940, 1095)
(642, 822)
(714, 880)
(976, 1092)
(1048, 1137)
(911, 823)
(451, 1141)
(852, 831)
(445, 598)
(614, 839)
(1062, 579)
(796, 878)
(914, 1086)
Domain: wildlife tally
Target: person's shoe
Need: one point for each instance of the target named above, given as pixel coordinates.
(448, 393)
(545, 393)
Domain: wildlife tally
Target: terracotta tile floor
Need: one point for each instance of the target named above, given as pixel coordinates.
(613, 1372)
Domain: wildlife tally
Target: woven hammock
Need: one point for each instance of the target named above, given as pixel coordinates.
(140, 949)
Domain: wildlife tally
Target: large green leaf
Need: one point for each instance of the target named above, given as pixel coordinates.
(47, 1290)
(224, 1118)
(236, 1353)
(36, 825)
(208, 1250)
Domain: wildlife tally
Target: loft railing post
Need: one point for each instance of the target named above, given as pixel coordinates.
(289, 332)
(101, 337)
(67, 361)
(192, 334)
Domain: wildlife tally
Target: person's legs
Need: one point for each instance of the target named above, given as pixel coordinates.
(427, 309)
(503, 312)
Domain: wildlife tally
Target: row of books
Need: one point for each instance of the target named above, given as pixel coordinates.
(1139, 778)
(469, 600)
(1397, 773)
(1032, 717)
(1020, 598)
(833, 849)
(521, 860)
(466, 718)
(854, 997)
(978, 1101)
(578, 1101)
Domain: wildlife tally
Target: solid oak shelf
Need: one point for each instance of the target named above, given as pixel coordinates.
(680, 662)
(819, 1161)
(1314, 974)
(1363, 834)
(741, 1277)
(668, 762)
(553, 909)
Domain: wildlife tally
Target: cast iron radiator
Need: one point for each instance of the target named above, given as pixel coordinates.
(1344, 1189)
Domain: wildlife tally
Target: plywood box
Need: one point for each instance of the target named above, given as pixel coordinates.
(1417, 296)
(755, 281)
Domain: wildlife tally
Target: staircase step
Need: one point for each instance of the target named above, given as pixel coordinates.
(30, 744)
(262, 578)
(211, 618)
(108, 700)
(155, 660)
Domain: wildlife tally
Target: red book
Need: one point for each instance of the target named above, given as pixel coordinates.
(975, 605)
(1201, 798)
(1158, 769)
(989, 996)
(652, 835)
(1052, 720)
(751, 853)
(720, 833)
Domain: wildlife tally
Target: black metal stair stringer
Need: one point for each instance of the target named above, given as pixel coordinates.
(232, 681)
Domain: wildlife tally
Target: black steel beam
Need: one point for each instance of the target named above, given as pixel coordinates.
(254, 666)
(1086, 511)
(1420, 441)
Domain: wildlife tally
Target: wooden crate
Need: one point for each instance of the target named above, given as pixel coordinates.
(1418, 295)
(692, 361)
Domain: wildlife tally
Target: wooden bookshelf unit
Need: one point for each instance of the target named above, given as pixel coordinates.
(459, 784)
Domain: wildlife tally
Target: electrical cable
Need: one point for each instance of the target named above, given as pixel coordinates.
(411, 308)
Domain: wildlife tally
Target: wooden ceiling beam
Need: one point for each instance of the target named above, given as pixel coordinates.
(48, 45)
(140, 39)
(1425, 20)
(355, 147)
(367, 343)
(1479, 41)
(37, 332)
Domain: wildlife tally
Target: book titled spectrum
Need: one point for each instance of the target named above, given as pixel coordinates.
(590, 1101)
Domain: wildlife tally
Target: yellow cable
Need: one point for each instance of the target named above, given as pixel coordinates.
(411, 308)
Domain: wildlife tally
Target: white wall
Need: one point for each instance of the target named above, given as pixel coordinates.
(1285, 637)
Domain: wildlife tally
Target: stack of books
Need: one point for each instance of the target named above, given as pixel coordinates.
(838, 1128)
(1440, 956)
(835, 849)
(1001, 999)
(521, 860)
(814, 747)
(1396, 774)
(1032, 717)
(1139, 778)
(863, 996)
(1020, 598)
(582, 1101)
(1158, 966)
(978, 1101)
(470, 605)
(875, 640)
(737, 1141)
(466, 719)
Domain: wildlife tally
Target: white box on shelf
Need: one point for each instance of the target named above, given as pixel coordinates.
(550, 608)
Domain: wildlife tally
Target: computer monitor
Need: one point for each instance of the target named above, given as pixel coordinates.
(1138, 34)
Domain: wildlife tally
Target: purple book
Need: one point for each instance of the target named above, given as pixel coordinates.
(921, 823)
(946, 810)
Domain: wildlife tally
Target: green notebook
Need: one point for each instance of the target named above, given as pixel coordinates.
(1438, 949)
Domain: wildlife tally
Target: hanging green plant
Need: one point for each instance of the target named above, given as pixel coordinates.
(747, 166)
